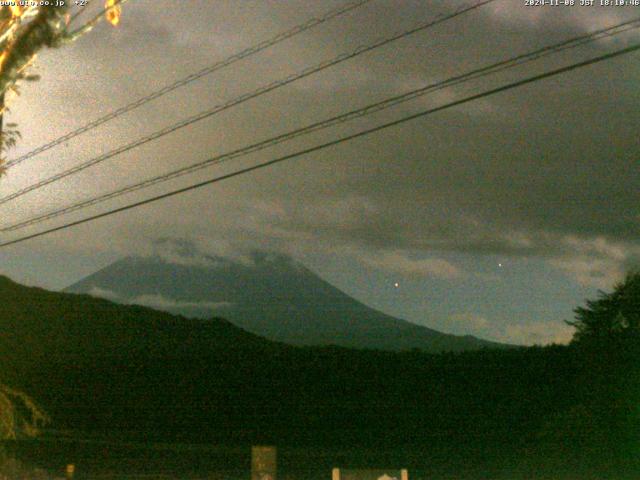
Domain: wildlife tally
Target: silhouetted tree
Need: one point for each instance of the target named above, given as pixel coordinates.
(613, 316)
(29, 27)
(19, 415)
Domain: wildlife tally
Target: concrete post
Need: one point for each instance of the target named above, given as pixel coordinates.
(263, 463)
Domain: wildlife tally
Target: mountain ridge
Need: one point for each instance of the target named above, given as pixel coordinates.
(270, 295)
(78, 324)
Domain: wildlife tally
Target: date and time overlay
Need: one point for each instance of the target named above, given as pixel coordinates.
(526, 3)
(42, 3)
(581, 3)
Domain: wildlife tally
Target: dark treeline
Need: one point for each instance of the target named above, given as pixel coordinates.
(564, 410)
(553, 406)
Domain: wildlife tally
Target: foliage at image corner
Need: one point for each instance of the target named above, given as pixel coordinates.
(611, 320)
(19, 415)
(24, 31)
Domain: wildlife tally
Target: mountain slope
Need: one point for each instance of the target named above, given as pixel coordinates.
(36, 323)
(272, 296)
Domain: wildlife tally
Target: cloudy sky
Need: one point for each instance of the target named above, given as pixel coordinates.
(495, 218)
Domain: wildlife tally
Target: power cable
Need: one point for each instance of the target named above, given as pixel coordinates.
(369, 109)
(239, 100)
(338, 141)
(191, 78)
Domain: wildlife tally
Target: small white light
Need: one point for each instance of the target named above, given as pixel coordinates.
(500, 265)
(396, 284)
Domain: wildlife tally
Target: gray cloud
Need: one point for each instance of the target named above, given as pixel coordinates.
(520, 333)
(156, 301)
(401, 263)
(547, 171)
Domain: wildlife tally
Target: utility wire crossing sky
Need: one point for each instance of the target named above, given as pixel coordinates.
(503, 190)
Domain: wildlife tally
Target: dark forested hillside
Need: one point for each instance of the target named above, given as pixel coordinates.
(35, 322)
(130, 371)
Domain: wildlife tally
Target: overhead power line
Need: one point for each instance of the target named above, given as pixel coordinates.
(243, 98)
(316, 148)
(357, 113)
(309, 24)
